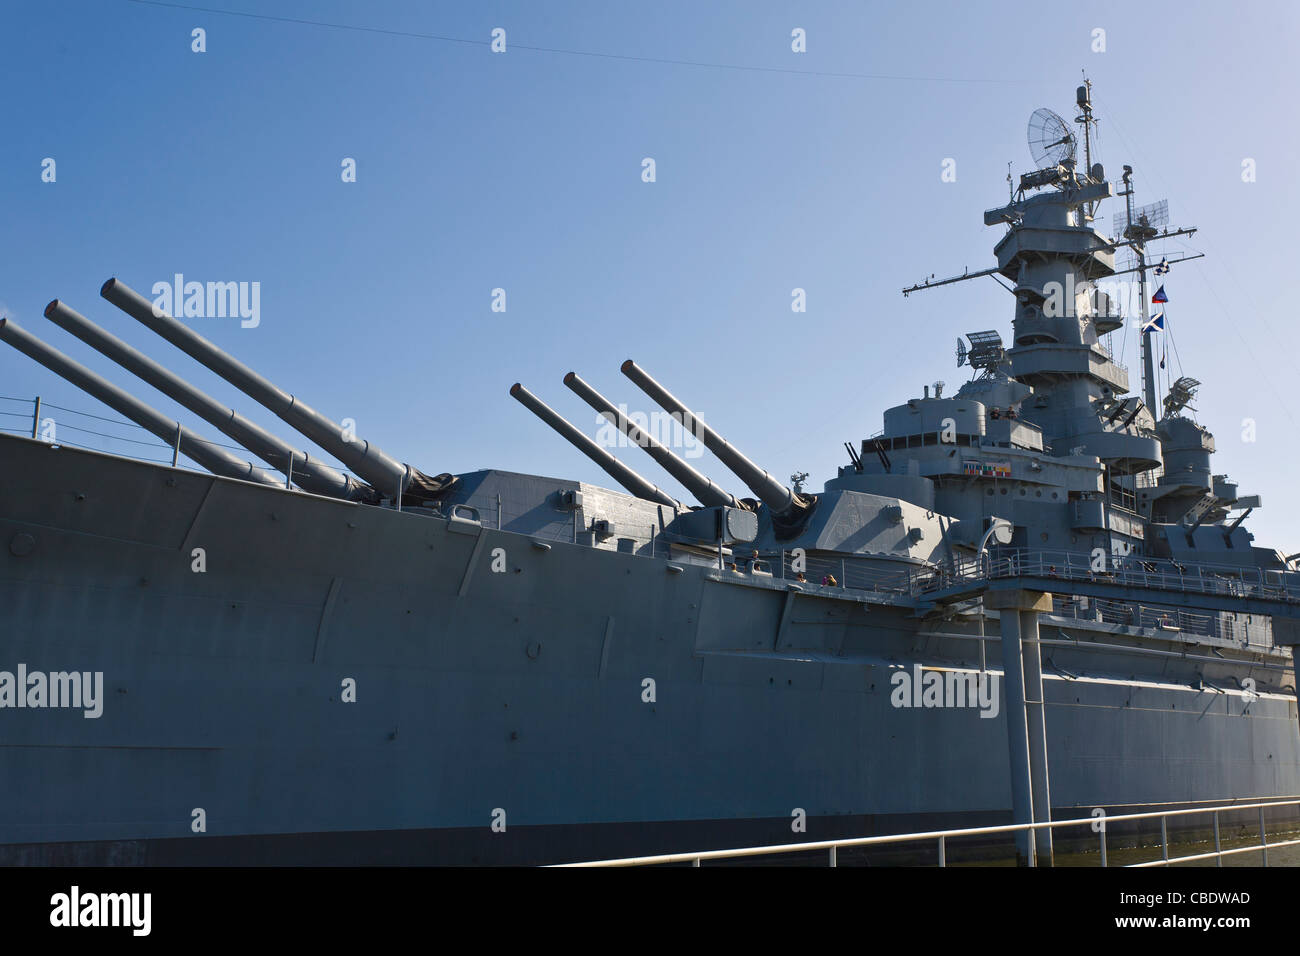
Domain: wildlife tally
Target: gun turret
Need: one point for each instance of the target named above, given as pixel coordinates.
(387, 474)
(212, 457)
(620, 472)
(701, 487)
(788, 508)
(308, 473)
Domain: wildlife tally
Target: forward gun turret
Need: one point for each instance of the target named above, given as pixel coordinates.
(387, 474)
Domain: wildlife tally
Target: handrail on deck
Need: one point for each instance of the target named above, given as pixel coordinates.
(1152, 573)
(942, 836)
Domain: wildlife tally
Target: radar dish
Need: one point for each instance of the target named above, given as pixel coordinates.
(961, 353)
(1051, 142)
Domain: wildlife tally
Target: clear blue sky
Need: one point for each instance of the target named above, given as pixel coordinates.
(523, 171)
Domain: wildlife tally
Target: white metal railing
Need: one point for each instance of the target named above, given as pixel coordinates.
(1148, 479)
(1256, 630)
(859, 573)
(1137, 571)
(942, 837)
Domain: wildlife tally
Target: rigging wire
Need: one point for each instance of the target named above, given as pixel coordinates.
(1282, 402)
(134, 441)
(1123, 342)
(113, 421)
(440, 38)
(156, 442)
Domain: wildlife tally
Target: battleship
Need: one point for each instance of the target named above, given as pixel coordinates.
(1023, 600)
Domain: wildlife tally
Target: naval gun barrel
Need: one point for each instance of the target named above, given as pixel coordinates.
(384, 472)
(778, 498)
(620, 472)
(212, 457)
(308, 473)
(708, 493)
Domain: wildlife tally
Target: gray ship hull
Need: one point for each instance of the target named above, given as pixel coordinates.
(503, 715)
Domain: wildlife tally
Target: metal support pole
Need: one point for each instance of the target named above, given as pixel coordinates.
(1037, 720)
(1164, 839)
(288, 474)
(982, 569)
(498, 511)
(1144, 334)
(1263, 840)
(833, 863)
(1218, 848)
(943, 852)
(1022, 803)
(36, 418)
(176, 448)
(983, 659)
(1103, 840)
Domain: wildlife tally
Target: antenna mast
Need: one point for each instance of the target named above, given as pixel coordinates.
(1138, 233)
(1083, 98)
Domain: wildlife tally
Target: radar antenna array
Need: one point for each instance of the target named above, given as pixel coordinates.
(1148, 218)
(1146, 224)
(986, 351)
(1180, 395)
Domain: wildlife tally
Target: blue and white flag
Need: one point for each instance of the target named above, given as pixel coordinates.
(1163, 268)
(1155, 323)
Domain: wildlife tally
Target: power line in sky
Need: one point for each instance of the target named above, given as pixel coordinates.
(558, 50)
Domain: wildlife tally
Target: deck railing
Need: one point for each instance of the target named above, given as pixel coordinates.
(941, 838)
(1136, 571)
